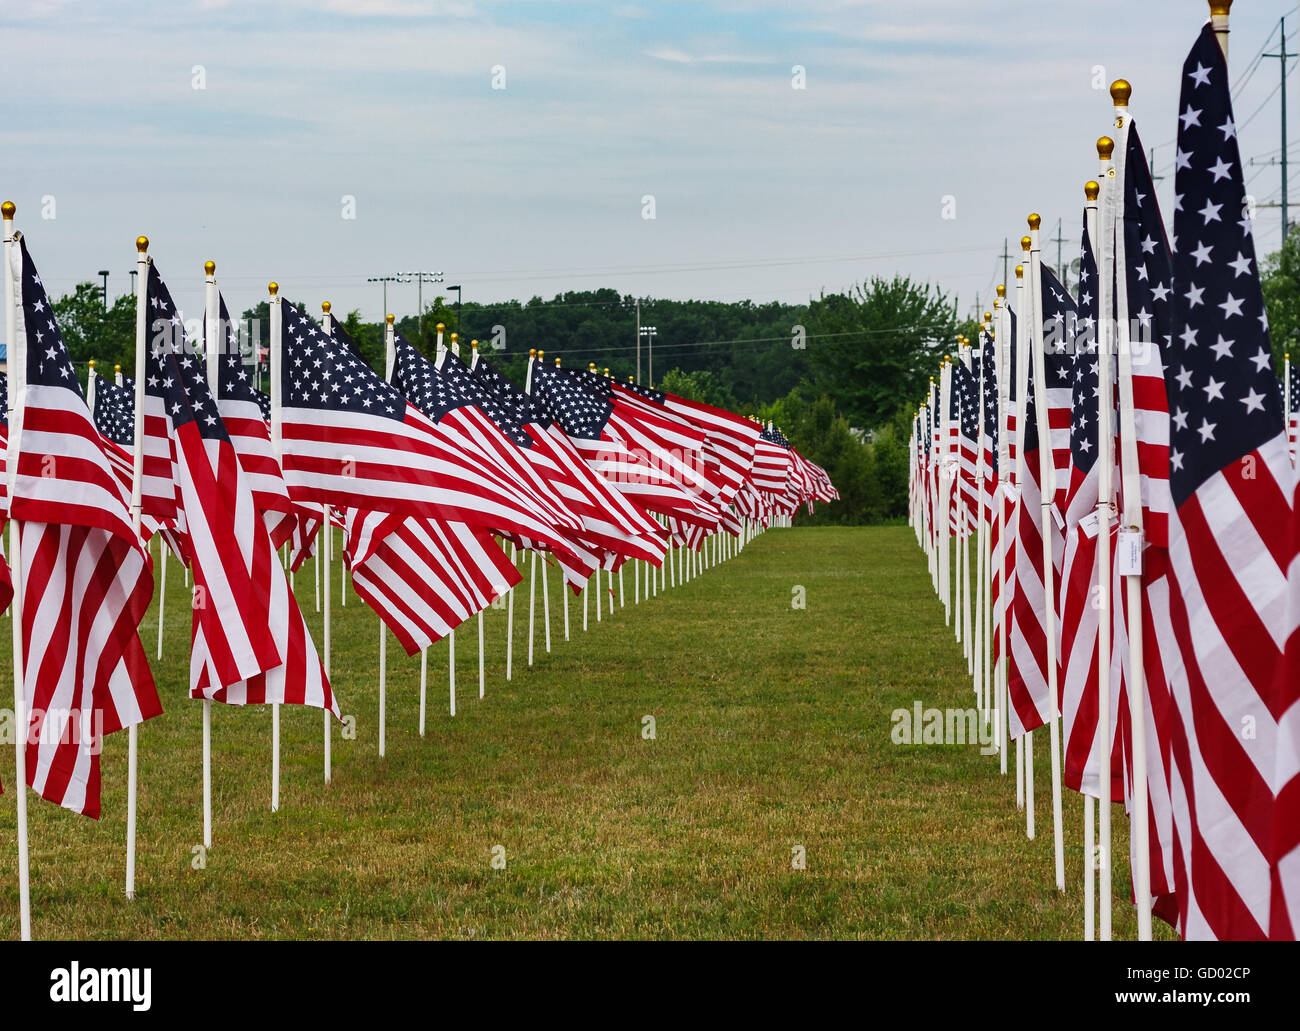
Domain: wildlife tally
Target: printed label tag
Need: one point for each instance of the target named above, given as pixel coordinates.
(1128, 553)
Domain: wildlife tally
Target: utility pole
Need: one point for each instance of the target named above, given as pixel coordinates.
(1282, 56)
(399, 278)
(1006, 260)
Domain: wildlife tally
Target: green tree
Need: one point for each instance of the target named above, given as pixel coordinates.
(877, 345)
(701, 385)
(90, 332)
(1280, 279)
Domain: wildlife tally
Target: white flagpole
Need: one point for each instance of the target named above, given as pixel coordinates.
(597, 600)
(586, 590)
(510, 615)
(424, 684)
(17, 381)
(532, 601)
(1047, 475)
(277, 448)
(137, 476)
(945, 489)
(1130, 479)
(327, 530)
(621, 600)
(162, 588)
(481, 672)
(546, 606)
(451, 669)
(1023, 337)
(211, 341)
(1105, 516)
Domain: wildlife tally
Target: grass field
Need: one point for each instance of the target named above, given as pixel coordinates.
(773, 731)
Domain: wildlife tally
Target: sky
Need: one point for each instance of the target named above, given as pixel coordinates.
(518, 146)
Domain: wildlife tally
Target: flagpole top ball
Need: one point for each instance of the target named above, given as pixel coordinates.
(1105, 148)
(92, 363)
(1221, 7)
(209, 268)
(454, 338)
(441, 327)
(532, 352)
(1035, 220)
(557, 363)
(325, 307)
(1092, 189)
(473, 345)
(1025, 243)
(1002, 289)
(141, 244)
(7, 209)
(389, 318)
(1020, 271)
(988, 316)
(1120, 91)
(606, 372)
(117, 369)
(273, 288)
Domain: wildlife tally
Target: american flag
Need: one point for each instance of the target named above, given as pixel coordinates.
(966, 417)
(86, 575)
(771, 462)
(426, 577)
(6, 583)
(246, 412)
(585, 418)
(1079, 624)
(1230, 543)
(614, 520)
(1149, 282)
(1028, 686)
(166, 333)
(115, 411)
(352, 441)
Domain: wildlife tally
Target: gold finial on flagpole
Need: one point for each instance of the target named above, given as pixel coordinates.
(1219, 10)
(557, 362)
(117, 370)
(532, 352)
(1035, 220)
(272, 287)
(7, 210)
(473, 345)
(591, 366)
(141, 243)
(454, 338)
(389, 318)
(606, 372)
(440, 327)
(1092, 189)
(1020, 271)
(1002, 289)
(988, 316)
(1025, 243)
(1120, 91)
(325, 307)
(92, 363)
(209, 268)
(1105, 147)
(540, 354)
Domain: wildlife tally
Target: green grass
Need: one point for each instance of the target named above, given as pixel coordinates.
(773, 730)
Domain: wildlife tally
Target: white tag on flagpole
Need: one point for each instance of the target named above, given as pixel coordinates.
(1128, 553)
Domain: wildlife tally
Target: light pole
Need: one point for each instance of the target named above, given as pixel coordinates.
(420, 279)
(104, 272)
(456, 287)
(399, 278)
(650, 332)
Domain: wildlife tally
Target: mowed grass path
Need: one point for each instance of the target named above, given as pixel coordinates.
(773, 731)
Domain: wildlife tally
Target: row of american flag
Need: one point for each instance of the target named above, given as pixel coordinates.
(429, 472)
(1122, 462)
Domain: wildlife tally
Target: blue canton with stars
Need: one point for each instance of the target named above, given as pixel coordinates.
(524, 409)
(48, 361)
(1059, 320)
(579, 412)
(1223, 397)
(115, 411)
(324, 372)
(989, 368)
(1146, 251)
(432, 389)
(1087, 390)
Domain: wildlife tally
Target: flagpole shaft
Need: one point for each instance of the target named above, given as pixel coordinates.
(510, 615)
(546, 606)
(207, 773)
(162, 589)
(564, 598)
(1047, 480)
(17, 363)
(424, 684)
(532, 602)
(481, 671)
(275, 757)
(273, 354)
(383, 687)
(451, 668)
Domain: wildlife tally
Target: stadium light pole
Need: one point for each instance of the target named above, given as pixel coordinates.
(399, 278)
(104, 272)
(420, 279)
(650, 333)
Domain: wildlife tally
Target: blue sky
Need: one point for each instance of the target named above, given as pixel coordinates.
(761, 191)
